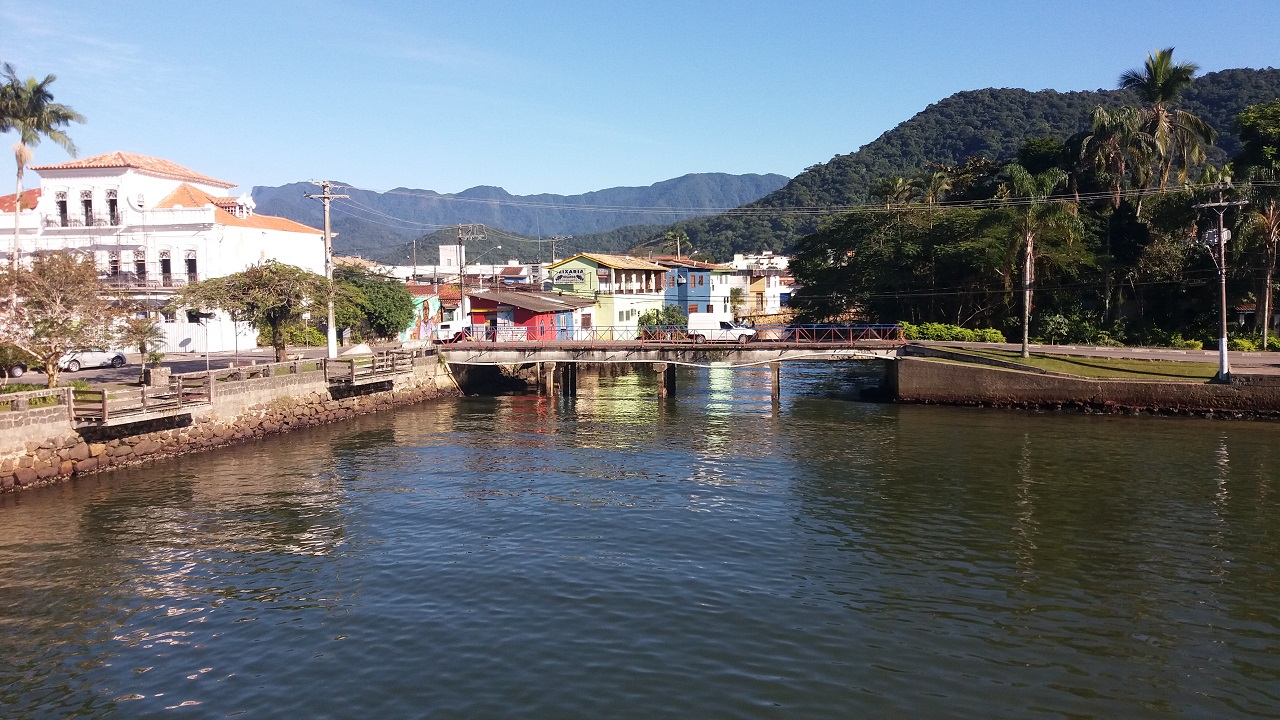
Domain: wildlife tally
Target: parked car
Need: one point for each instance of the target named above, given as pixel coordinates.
(12, 363)
(91, 357)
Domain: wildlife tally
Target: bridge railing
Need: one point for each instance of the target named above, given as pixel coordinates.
(829, 333)
(606, 335)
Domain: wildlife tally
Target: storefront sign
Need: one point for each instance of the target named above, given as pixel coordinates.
(569, 277)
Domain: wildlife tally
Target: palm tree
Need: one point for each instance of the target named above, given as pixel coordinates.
(1178, 134)
(1117, 145)
(144, 334)
(1035, 212)
(31, 112)
(1263, 222)
(677, 238)
(895, 191)
(1118, 148)
(933, 187)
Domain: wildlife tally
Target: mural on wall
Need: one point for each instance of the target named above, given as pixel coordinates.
(426, 317)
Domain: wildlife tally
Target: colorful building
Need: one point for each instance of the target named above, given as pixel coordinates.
(621, 288)
(516, 315)
(697, 287)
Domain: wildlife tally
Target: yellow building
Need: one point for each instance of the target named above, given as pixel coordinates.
(623, 288)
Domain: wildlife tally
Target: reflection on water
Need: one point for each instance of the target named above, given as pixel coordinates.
(706, 555)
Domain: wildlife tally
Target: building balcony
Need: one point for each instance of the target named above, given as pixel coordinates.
(135, 281)
(80, 221)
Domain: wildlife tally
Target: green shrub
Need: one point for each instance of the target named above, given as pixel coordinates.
(1242, 344)
(294, 335)
(949, 333)
(1177, 341)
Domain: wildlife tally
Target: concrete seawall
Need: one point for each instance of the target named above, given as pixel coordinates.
(42, 445)
(911, 379)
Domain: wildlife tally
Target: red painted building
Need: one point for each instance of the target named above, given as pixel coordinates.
(515, 315)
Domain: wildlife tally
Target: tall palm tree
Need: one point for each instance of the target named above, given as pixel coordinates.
(1119, 149)
(33, 114)
(1263, 222)
(1117, 144)
(1034, 212)
(1179, 135)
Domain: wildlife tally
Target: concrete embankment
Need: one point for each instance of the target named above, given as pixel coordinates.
(910, 379)
(43, 445)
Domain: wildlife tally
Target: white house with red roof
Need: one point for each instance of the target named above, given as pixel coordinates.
(152, 226)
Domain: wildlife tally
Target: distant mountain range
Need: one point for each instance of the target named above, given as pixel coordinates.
(992, 123)
(372, 224)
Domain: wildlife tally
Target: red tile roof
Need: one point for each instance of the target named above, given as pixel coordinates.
(188, 196)
(145, 163)
(29, 199)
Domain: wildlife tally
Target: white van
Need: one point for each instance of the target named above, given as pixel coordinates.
(452, 331)
(708, 327)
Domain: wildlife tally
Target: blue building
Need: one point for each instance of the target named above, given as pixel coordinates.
(696, 287)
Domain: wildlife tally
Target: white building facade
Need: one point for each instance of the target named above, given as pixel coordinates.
(153, 226)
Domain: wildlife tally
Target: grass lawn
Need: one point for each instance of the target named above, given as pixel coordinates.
(1099, 367)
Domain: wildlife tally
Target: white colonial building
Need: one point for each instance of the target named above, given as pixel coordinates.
(152, 226)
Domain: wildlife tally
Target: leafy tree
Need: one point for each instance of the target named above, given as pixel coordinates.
(55, 305)
(737, 298)
(29, 110)
(1259, 129)
(1178, 134)
(663, 317)
(381, 305)
(269, 293)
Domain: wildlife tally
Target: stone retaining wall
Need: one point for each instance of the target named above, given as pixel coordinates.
(241, 411)
(928, 381)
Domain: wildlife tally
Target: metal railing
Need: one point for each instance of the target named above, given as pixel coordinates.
(614, 335)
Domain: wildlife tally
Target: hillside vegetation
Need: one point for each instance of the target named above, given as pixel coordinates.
(991, 123)
(1089, 229)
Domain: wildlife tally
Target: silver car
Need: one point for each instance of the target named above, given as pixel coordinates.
(91, 357)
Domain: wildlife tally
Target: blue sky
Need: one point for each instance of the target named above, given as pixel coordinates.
(566, 97)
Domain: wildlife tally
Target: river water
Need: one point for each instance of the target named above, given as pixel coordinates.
(617, 556)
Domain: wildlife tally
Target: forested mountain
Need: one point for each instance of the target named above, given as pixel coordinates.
(374, 224)
(992, 123)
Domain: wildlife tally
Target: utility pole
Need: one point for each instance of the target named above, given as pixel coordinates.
(554, 240)
(415, 260)
(473, 233)
(1220, 259)
(326, 196)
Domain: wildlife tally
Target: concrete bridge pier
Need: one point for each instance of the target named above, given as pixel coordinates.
(666, 379)
(775, 369)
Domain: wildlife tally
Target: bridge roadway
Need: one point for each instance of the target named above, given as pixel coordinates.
(675, 353)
